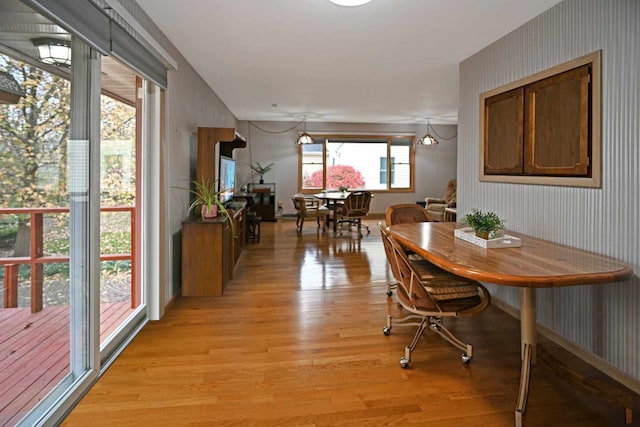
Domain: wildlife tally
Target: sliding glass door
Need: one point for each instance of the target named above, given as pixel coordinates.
(71, 222)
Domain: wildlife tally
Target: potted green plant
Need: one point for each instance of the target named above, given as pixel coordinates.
(208, 199)
(261, 170)
(485, 224)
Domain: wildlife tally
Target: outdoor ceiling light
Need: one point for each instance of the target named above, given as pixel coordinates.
(428, 139)
(10, 89)
(304, 137)
(53, 51)
(350, 2)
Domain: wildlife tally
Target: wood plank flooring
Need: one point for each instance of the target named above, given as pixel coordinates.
(34, 353)
(297, 340)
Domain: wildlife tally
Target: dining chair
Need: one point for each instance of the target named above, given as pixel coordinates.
(354, 208)
(402, 214)
(310, 208)
(406, 213)
(431, 294)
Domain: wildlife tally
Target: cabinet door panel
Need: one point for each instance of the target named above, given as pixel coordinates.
(557, 125)
(503, 145)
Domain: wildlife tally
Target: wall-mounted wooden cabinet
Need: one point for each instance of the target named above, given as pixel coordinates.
(504, 133)
(546, 130)
(557, 125)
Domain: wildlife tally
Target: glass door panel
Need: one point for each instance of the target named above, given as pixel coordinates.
(119, 294)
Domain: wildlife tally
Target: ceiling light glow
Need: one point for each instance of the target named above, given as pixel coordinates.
(350, 2)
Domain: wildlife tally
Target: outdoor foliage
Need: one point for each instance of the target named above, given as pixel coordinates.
(33, 160)
(33, 136)
(337, 176)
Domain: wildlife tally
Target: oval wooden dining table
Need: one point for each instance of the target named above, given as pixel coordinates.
(536, 264)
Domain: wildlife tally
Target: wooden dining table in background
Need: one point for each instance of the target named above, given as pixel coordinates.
(536, 264)
(333, 199)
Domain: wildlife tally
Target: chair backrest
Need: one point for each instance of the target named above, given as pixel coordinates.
(450, 192)
(300, 204)
(408, 279)
(356, 204)
(388, 250)
(406, 213)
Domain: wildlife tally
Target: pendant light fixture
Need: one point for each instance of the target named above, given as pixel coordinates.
(304, 137)
(428, 139)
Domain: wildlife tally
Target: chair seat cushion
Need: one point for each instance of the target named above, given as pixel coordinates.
(441, 284)
(452, 305)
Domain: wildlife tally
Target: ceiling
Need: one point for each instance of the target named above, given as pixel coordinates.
(389, 61)
(19, 24)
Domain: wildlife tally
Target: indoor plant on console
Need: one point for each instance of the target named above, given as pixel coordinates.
(261, 170)
(486, 225)
(208, 199)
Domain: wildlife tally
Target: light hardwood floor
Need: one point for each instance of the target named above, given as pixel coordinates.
(297, 341)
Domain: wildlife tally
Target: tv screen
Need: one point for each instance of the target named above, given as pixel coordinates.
(226, 178)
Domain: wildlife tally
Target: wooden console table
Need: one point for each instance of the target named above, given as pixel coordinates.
(537, 264)
(210, 251)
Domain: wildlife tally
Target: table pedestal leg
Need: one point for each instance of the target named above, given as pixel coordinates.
(528, 341)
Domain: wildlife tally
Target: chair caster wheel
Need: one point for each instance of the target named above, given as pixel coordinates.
(386, 330)
(404, 363)
(466, 359)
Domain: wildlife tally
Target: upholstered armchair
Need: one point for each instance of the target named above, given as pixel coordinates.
(435, 206)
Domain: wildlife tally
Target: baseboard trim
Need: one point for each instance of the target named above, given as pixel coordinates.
(594, 360)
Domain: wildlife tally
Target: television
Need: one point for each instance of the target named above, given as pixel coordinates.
(226, 178)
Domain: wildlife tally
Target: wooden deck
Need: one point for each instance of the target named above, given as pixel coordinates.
(34, 353)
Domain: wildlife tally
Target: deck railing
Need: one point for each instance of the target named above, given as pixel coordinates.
(37, 258)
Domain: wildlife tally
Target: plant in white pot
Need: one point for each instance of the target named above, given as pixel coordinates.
(486, 225)
(261, 170)
(208, 199)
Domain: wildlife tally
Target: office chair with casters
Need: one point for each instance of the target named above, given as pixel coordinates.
(431, 294)
(423, 267)
(354, 208)
(406, 213)
(310, 208)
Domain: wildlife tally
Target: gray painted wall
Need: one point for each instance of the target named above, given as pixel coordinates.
(190, 103)
(603, 319)
(435, 165)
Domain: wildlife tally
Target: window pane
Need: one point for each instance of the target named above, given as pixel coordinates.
(381, 163)
(400, 166)
(312, 166)
(383, 170)
(355, 165)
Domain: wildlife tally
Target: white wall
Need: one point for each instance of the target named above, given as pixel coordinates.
(435, 165)
(603, 319)
(190, 103)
